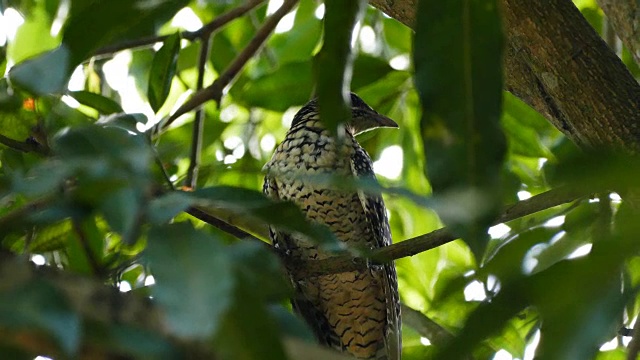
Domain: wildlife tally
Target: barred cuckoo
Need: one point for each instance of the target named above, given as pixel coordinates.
(357, 312)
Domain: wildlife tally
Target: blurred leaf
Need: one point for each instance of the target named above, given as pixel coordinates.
(194, 278)
(166, 207)
(459, 78)
(333, 64)
(249, 332)
(103, 104)
(121, 209)
(36, 26)
(162, 72)
(124, 121)
(367, 70)
(39, 305)
(292, 82)
(523, 140)
(118, 20)
(136, 342)
(282, 215)
(45, 74)
(298, 43)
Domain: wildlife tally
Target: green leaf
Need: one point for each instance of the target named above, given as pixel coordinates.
(37, 304)
(117, 20)
(166, 207)
(103, 104)
(36, 26)
(45, 74)
(283, 215)
(292, 82)
(121, 210)
(194, 278)
(458, 61)
(367, 70)
(162, 71)
(127, 122)
(333, 64)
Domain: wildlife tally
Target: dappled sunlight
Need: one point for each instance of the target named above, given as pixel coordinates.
(390, 162)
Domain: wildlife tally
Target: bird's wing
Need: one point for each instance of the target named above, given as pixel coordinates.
(282, 241)
(375, 210)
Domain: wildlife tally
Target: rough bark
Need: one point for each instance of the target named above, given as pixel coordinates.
(624, 16)
(559, 65)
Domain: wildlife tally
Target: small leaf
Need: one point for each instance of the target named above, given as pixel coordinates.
(162, 71)
(103, 104)
(194, 278)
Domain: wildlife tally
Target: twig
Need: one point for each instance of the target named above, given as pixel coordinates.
(214, 91)
(26, 146)
(201, 33)
(222, 225)
(428, 241)
(198, 124)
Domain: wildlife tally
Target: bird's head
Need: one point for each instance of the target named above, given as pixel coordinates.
(363, 117)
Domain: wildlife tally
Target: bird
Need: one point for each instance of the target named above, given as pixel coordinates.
(355, 312)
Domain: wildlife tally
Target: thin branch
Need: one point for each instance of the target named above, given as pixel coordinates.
(428, 241)
(198, 124)
(214, 91)
(27, 146)
(202, 215)
(201, 33)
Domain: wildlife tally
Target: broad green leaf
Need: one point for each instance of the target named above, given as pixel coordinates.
(117, 20)
(194, 277)
(124, 121)
(162, 71)
(136, 342)
(38, 305)
(103, 104)
(166, 207)
(248, 330)
(367, 70)
(458, 61)
(333, 65)
(298, 43)
(291, 82)
(283, 215)
(44, 74)
(121, 209)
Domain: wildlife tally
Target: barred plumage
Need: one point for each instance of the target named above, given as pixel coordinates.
(357, 312)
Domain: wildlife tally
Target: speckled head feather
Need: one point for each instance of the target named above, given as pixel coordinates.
(363, 117)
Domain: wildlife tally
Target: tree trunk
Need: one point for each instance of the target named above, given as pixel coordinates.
(558, 64)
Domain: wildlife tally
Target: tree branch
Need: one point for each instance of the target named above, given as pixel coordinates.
(303, 269)
(428, 241)
(198, 124)
(624, 16)
(214, 91)
(560, 66)
(27, 146)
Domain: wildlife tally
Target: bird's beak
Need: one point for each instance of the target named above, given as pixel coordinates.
(384, 121)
